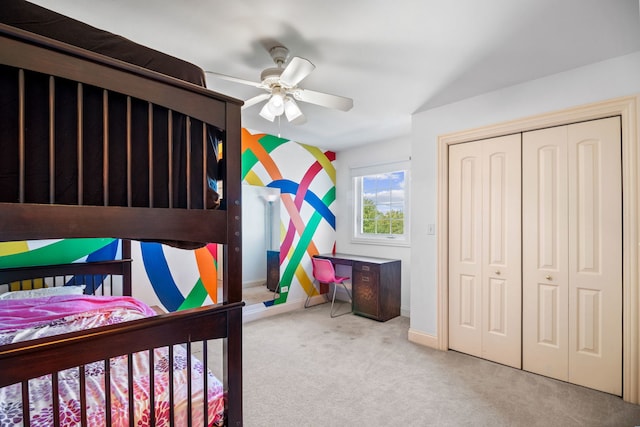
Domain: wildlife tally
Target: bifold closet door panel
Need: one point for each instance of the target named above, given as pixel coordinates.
(595, 255)
(502, 250)
(465, 248)
(545, 305)
(484, 249)
(572, 254)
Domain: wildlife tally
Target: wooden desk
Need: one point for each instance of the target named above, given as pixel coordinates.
(375, 283)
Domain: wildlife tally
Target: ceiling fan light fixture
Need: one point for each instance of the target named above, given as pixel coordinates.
(291, 109)
(276, 102)
(266, 113)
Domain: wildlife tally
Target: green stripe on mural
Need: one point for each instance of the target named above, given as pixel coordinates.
(301, 248)
(330, 197)
(248, 162)
(195, 298)
(62, 252)
(271, 142)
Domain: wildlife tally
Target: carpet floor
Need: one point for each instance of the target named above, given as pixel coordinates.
(304, 368)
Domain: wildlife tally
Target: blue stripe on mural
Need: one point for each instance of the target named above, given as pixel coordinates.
(289, 187)
(160, 276)
(106, 253)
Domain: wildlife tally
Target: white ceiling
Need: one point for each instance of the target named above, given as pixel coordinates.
(394, 58)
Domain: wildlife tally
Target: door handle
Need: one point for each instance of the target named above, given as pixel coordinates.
(548, 277)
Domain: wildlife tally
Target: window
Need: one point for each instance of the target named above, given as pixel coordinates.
(381, 204)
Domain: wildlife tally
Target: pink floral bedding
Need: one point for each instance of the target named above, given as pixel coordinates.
(27, 319)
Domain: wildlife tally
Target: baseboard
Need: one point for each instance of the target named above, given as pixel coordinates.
(252, 283)
(260, 311)
(423, 339)
(316, 299)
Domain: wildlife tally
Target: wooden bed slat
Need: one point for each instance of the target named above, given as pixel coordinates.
(128, 130)
(172, 415)
(150, 152)
(130, 388)
(30, 221)
(52, 140)
(188, 157)
(205, 379)
(83, 396)
(25, 408)
(80, 142)
(107, 391)
(170, 156)
(189, 385)
(55, 394)
(105, 147)
(21, 140)
(116, 267)
(152, 388)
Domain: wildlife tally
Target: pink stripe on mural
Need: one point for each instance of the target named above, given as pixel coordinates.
(296, 223)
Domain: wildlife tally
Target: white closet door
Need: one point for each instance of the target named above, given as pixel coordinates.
(595, 255)
(485, 248)
(572, 254)
(465, 248)
(502, 249)
(545, 304)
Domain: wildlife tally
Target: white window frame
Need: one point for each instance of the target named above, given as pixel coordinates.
(357, 173)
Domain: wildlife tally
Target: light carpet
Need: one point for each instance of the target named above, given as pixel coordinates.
(304, 368)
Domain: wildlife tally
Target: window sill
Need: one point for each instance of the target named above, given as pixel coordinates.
(381, 241)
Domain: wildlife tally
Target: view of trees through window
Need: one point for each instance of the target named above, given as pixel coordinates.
(383, 203)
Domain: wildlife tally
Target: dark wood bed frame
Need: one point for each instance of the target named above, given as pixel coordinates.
(21, 220)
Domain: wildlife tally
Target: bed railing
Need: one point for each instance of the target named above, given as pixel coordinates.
(138, 139)
(190, 328)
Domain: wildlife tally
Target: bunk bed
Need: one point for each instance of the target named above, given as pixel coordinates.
(102, 137)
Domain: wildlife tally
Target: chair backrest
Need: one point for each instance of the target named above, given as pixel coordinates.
(323, 270)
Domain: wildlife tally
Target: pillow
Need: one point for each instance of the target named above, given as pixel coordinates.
(44, 292)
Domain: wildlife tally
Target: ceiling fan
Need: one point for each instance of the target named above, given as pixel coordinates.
(282, 91)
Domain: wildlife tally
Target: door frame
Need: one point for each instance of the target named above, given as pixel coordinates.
(626, 108)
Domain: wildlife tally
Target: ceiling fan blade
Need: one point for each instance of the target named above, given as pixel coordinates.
(300, 120)
(235, 79)
(256, 99)
(296, 71)
(323, 99)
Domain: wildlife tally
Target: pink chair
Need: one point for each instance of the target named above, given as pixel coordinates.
(324, 272)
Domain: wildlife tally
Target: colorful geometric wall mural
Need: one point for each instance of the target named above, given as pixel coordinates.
(306, 178)
(165, 287)
(179, 279)
(60, 251)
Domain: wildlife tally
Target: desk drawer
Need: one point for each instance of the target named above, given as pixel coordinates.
(365, 267)
(366, 297)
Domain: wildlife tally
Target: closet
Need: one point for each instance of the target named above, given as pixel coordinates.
(535, 251)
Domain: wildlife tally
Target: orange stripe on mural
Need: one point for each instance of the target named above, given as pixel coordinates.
(252, 142)
(208, 272)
